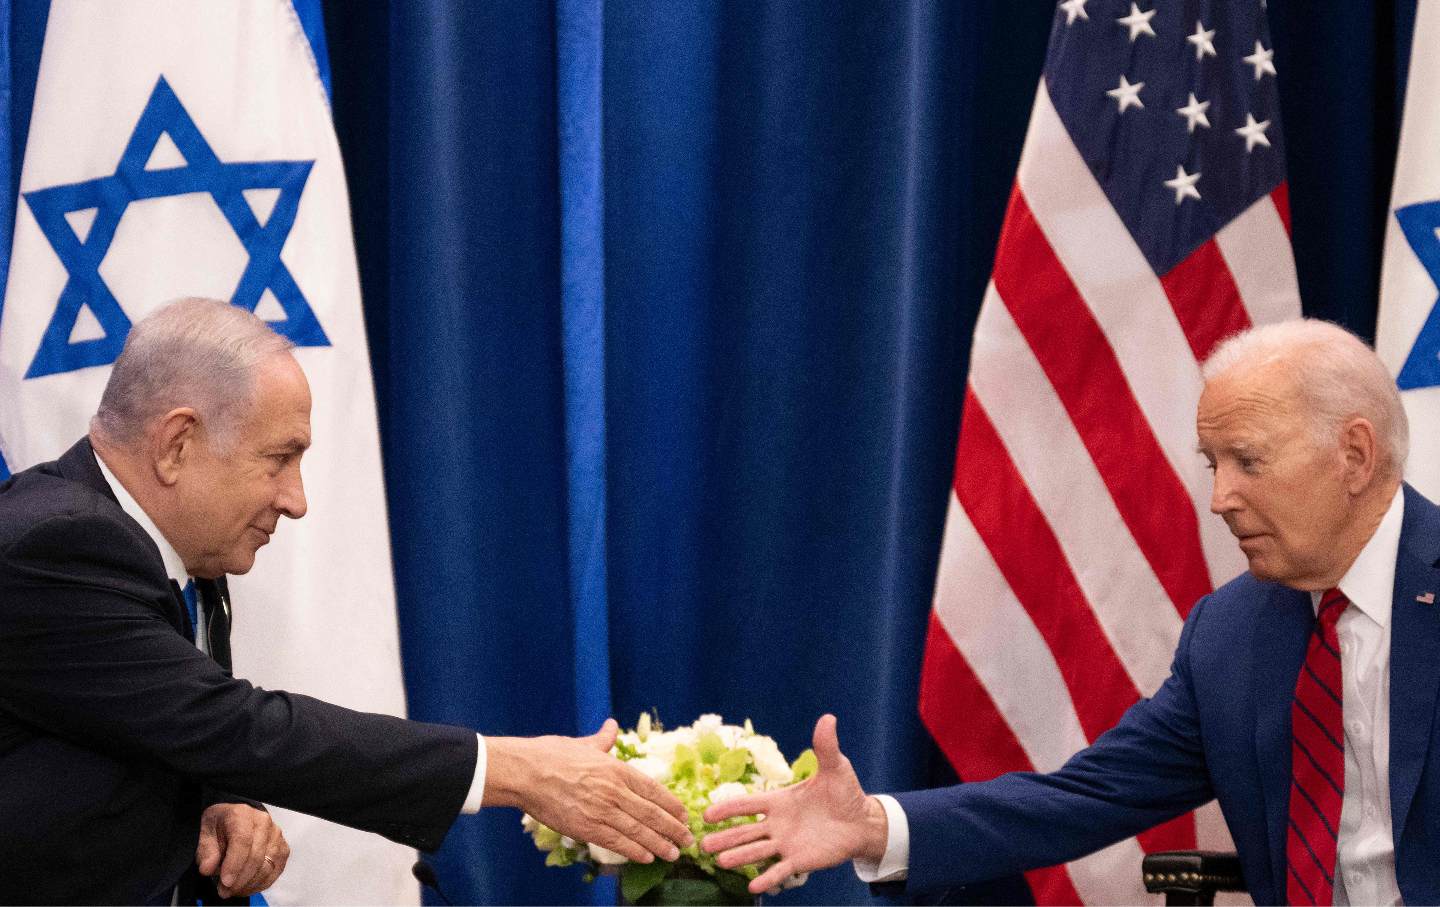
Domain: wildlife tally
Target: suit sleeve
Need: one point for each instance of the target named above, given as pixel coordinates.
(86, 654)
(1146, 770)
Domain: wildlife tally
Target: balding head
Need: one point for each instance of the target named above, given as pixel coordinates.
(1307, 437)
(1336, 376)
(195, 352)
(204, 422)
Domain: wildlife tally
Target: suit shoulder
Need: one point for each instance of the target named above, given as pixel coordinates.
(45, 517)
(1232, 609)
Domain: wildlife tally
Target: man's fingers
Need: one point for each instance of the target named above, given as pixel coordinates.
(261, 861)
(753, 852)
(827, 744)
(751, 805)
(734, 837)
(653, 817)
(610, 839)
(634, 829)
(207, 852)
(671, 821)
(238, 846)
(771, 878)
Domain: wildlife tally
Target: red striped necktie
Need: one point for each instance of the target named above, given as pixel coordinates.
(1317, 761)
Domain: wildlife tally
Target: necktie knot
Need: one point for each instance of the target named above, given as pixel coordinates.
(1332, 605)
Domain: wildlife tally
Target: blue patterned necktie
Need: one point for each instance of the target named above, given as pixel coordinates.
(188, 593)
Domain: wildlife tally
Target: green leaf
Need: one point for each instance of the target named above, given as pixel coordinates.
(733, 764)
(735, 885)
(638, 878)
(560, 856)
(710, 747)
(805, 765)
(546, 838)
(686, 761)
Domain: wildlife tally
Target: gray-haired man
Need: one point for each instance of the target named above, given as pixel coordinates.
(132, 761)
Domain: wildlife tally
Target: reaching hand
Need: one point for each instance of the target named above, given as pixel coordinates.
(242, 845)
(576, 788)
(818, 823)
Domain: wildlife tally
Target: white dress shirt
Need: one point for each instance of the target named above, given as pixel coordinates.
(175, 568)
(1365, 862)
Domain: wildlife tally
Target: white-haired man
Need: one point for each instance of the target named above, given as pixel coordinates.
(132, 761)
(1302, 695)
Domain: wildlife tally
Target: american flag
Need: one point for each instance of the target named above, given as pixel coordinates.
(1148, 220)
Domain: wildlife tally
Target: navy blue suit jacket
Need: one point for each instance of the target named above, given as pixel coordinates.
(1219, 727)
(115, 730)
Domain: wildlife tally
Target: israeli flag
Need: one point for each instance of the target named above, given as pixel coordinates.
(180, 149)
(1407, 332)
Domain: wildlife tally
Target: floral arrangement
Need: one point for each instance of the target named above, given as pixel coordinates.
(707, 762)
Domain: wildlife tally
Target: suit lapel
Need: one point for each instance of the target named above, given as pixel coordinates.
(1281, 632)
(1414, 644)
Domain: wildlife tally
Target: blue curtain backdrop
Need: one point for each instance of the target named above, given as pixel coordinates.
(669, 307)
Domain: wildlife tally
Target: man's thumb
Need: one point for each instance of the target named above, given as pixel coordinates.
(827, 744)
(207, 852)
(605, 737)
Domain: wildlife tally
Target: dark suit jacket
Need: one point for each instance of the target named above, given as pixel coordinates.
(1218, 728)
(115, 730)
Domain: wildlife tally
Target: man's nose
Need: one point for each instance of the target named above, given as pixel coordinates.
(291, 499)
(1222, 494)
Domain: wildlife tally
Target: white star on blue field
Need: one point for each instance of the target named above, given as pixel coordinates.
(111, 195)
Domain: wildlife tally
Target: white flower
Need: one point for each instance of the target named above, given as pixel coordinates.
(529, 823)
(653, 768)
(605, 857)
(769, 762)
(630, 739)
(728, 791)
(706, 723)
(662, 745)
(642, 727)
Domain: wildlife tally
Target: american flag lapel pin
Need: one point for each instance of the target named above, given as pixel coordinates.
(1427, 599)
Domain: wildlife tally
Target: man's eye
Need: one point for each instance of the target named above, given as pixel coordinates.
(1250, 464)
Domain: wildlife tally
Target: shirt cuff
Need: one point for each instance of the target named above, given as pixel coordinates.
(894, 865)
(477, 786)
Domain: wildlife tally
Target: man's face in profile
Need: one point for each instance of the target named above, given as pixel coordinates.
(234, 498)
(1279, 487)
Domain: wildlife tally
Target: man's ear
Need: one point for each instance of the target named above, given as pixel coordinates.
(1360, 450)
(173, 443)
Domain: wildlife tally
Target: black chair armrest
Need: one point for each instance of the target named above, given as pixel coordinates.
(1191, 876)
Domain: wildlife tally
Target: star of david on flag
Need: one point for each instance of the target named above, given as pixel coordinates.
(180, 149)
(111, 195)
(1418, 223)
(1407, 329)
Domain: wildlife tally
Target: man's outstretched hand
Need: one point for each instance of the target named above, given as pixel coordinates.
(243, 846)
(820, 822)
(576, 788)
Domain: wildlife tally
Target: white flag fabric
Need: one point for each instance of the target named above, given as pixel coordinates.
(179, 149)
(1407, 332)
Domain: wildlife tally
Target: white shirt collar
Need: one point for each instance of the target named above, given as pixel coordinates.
(174, 566)
(1370, 581)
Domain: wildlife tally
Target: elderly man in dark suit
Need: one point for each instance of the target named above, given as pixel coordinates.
(1302, 696)
(131, 762)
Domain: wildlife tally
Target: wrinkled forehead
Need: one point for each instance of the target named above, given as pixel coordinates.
(1253, 399)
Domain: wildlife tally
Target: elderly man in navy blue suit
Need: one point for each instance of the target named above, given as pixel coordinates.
(1302, 695)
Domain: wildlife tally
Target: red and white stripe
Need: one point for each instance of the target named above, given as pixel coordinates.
(1079, 532)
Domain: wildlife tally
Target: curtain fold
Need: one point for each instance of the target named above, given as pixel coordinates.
(670, 306)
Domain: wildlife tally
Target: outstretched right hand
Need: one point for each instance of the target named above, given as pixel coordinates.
(576, 788)
(820, 822)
